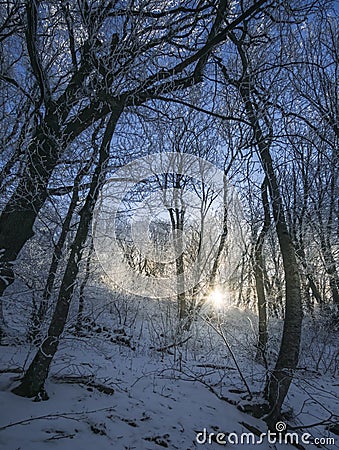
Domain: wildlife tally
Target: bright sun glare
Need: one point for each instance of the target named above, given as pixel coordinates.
(217, 298)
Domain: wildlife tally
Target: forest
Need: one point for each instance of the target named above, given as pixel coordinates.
(169, 224)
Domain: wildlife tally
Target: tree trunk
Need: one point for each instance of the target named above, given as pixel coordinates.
(2, 322)
(281, 377)
(17, 218)
(34, 379)
(330, 267)
(300, 252)
(180, 269)
(39, 317)
(82, 287)
(177, 214)
(259, 273)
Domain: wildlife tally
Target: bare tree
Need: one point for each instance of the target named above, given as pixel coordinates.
(315, 81)
(257, 88)
(32, 384)
(101, 72)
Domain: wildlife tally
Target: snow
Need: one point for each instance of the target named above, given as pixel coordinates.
(161, 399)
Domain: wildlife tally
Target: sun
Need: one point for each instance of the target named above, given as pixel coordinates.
(217, 298)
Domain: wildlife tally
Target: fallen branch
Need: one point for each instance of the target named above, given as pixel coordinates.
(86, 380)
(61, 436)
(12, 370)
(215, 366)
(174, 344)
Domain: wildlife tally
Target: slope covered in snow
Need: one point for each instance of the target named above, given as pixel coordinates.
(165, 396)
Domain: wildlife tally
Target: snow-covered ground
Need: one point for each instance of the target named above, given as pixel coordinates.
(163, 397)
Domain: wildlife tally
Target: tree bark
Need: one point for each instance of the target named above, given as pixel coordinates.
(32, 384)
(17, 218)
(280, 379)
(57, 253)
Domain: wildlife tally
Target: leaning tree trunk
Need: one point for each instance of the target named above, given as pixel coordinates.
(34, 379)
(44, 150)
(57, 253)
(279, 382)
(280, 379)
(17, 218)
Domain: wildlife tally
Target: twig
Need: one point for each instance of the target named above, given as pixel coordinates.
(222, 335)
(316, 424)
(174, 344)
(55, 416)
(192, 377)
